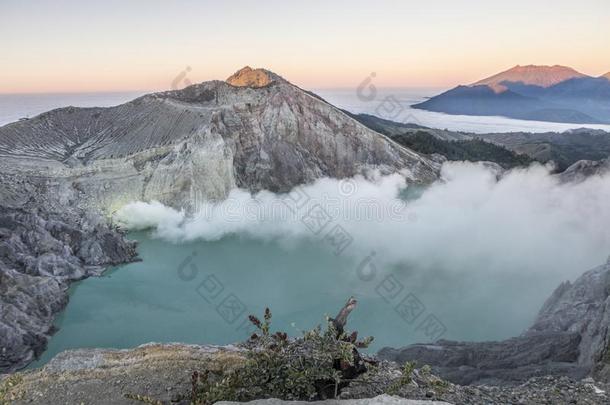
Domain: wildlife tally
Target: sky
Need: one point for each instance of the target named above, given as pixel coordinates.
(128, 45)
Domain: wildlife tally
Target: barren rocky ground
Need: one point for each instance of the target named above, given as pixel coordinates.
(163, 373)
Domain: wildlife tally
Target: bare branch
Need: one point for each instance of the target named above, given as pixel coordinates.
(341, 319)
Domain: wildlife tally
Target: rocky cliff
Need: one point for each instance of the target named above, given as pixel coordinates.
(569, 337)
(64, 171)
(46, 242)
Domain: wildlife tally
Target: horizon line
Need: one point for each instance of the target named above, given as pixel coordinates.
(324, 87)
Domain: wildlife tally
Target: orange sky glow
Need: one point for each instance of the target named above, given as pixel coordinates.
(71, 46)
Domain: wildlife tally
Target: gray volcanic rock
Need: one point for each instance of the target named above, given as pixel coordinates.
(583, 169)
(198, 143)
(581, 307)
(45, 244)
(378, 400)
(569, 337)
(496, 363)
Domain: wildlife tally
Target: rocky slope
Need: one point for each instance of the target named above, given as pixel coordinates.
(200, 142)
(563, 148)
(569, 337)
(63, 172)
(585, 168)
(453, 146)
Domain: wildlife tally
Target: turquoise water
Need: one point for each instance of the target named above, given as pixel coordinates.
(175, 296)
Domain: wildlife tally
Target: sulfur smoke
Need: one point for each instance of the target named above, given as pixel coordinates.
(524, 220)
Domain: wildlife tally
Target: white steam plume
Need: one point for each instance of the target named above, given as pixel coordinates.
(526, 221)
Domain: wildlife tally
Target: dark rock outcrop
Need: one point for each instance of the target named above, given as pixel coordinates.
(569, 337)
(496, 363)
(45, 244)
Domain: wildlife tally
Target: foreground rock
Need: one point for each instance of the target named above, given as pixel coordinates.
(98, 376)
(162, 373)
(570, 337)
(379, 400)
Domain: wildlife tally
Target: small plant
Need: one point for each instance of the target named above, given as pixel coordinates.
(426, 370)
(405, 379)
(439, 385)
(315, 366)
(7, 389)
(143, 398)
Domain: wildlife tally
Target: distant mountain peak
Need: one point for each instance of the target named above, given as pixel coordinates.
(248, 77)
(607, 76)
(535, 75)
(542, 93)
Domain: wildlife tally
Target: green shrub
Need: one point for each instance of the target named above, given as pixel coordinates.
(315, 366)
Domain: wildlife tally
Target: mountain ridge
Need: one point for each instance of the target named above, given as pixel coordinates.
(540, 93)
(270, 136)
(537, 75)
